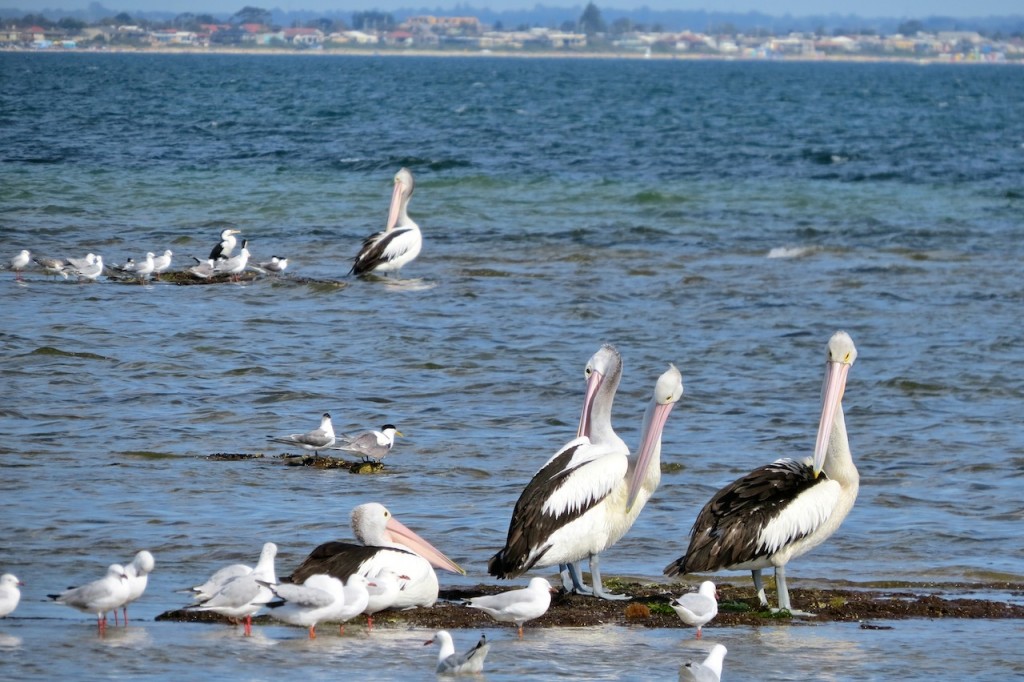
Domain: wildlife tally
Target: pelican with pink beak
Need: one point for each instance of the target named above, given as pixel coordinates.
(386, 545)
(400, 241)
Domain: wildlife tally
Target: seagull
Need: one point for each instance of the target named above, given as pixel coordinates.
(455, 664)
(52, 266)
(318, 599)
(243, 595)
(516, 606)
(708, 671)
(138, 577)
(784, 509)
(145, 268)
(386, 543)
(316, 440)
(697, 608)
(10, 595)
(226, 246)
(88, 268)
(400, 241)
(109, 593)
(161, 263)
(276, 264)
(372, 445)
(19, 262)
(357, 596)
(203, 269)
(264, 566)
(235, 265)
(128, 266)
(386, 586)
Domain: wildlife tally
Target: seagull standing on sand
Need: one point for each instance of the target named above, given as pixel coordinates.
(316, 440)
(10, 595)
(19, 262)
(516, 606)
(708, 671)
(400, 241)
(449, 662)
(697, 608)
(109, 593)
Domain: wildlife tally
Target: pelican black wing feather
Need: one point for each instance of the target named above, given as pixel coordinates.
(372, 252)
(337, 559)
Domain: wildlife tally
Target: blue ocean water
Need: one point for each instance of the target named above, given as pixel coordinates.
(726, 217)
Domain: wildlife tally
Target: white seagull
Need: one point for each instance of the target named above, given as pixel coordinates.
(316, 600)
(708, 671)
(451, 663)
(242, 596)
(226, 245)
(784, 509)
(276, 264)
(316, 440)
(145, 268)
(162, 262)
(584, 499)
(382, 592)
(235, 265)
(697, 608)
(203, 269)
(386, 543)
(516, 606)
(10, 595)
(88, 268)
(264, 566)
(400, 241)
(109, 593)
(357, 596)
(371, 445)
(138, 578)
(19, 262)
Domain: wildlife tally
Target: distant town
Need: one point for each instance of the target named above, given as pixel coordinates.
(253, 29)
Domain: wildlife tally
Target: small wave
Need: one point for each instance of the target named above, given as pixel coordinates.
(791, 251)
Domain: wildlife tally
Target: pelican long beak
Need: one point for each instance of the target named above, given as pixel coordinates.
(650, 444)
(405, 537)
(396, 205)
(831, 398)
(593, 384)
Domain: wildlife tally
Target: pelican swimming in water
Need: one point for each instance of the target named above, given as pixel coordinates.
(583, 500)
(386, 544)
(316, 440)
(400, 241)
(226, 245)
(784, 509)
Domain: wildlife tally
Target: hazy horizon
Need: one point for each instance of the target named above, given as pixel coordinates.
(916, 9)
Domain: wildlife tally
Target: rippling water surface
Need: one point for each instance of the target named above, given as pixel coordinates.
(724, 217)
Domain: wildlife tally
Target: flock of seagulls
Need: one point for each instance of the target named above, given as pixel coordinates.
(382, 253)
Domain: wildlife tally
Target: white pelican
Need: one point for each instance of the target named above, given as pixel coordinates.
(372, 445)
(400, 241)
(235, 265)
(516, 606)
(316, 600)
(585, 498)
(242, 596)
(108, 593)
(697, 608)
(226, 245)
(138, 578)
(316, 440)
(10, 595)
(386, 543)
(449, 662)
(784, 509)
(276, 264)
(708, 671)
(162, 262)
(264, 566)
(19, 262)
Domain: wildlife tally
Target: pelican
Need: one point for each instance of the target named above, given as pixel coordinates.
(399, 243)
(10, 595)
(108, 593)
(161, 263)
(584, 499)
(386, 543)
(372, 445)
(708, 671)
(235, 265)
(318, 599)
(697, 608)
(276, 264)
(315, 440)
(226, 245)
(516, 606)
(455, 664)
(138, 578)
(784, 509)
(19, 262)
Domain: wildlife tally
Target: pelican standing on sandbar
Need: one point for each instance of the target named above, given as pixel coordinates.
(400, 241)
(579, 503)
(784, 509)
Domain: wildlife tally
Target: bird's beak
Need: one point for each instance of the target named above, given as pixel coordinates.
(428, 642)
(396, 205)
(593, 384)
(399, 433)
(650, 444)
(831, 398)
(403, 536)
